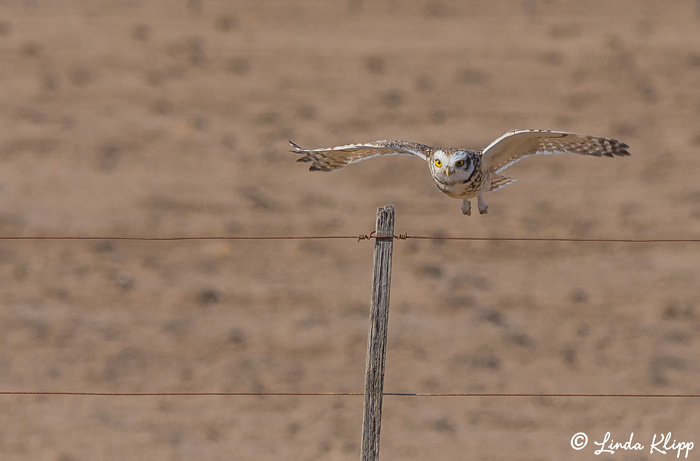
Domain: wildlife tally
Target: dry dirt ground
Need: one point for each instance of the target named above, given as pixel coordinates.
(171, 118)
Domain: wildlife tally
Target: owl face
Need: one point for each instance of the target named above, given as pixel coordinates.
(451, 167)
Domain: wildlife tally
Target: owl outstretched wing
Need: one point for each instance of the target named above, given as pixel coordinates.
(332, 158)
(518, 144)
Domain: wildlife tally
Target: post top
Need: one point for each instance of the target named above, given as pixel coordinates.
(385, 220)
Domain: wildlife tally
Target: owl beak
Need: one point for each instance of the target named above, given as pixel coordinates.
(447, 172)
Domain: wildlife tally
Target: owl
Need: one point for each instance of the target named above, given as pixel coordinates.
(462, 173)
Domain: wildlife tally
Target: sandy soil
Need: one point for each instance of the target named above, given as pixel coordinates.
(132, 118)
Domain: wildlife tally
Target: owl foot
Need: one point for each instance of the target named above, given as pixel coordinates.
(483, 207)
(466, 207)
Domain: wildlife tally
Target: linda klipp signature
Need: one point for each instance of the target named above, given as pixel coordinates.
(661, 444)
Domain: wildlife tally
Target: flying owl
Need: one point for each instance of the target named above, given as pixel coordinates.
(462, 173)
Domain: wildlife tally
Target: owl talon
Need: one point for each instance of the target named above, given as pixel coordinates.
(483, 207)
(466, 207)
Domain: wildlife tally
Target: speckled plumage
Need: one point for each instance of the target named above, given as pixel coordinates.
(463, 173)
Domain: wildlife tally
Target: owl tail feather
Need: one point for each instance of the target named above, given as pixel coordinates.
(499, 182)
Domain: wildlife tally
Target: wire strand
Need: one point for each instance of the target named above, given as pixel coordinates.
(360, 237)
(344, 394)
(175, 238)
(555, 239)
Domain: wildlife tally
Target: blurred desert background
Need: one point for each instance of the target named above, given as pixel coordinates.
(171, 118)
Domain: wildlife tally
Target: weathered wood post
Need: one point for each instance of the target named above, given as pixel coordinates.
(376, 341)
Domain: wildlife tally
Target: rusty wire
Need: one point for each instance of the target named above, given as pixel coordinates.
(341, 394)
(359, 237)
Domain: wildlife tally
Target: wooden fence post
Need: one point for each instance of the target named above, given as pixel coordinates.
(377, 336)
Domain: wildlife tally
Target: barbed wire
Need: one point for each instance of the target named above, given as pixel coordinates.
(557, 239)
(360, 237)
(342, 394)
(175, 238)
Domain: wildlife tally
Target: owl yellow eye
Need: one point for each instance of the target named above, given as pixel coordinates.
(438, 163)
(459, 164)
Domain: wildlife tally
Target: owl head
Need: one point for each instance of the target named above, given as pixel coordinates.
(450, 166)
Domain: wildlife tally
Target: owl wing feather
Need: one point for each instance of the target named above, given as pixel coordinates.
(332, 158)
(518, 144)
